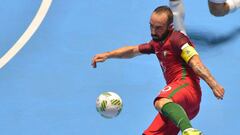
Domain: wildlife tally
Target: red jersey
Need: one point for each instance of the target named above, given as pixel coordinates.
(169, 55)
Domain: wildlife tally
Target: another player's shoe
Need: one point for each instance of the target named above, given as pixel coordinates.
(191, 131)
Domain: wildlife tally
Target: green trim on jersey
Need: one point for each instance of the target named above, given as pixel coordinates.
(184, 72)
(177, 89)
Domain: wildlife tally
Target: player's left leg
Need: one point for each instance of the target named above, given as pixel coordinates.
(173, 112)
(223, 7)
(179, 102)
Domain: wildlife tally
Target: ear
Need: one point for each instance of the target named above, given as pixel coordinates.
(170, 27)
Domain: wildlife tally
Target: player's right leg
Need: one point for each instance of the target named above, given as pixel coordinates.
(223, 7)
(177, 8)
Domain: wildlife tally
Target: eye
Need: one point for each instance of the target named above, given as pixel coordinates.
(151, 25)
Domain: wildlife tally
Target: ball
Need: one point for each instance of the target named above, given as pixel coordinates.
(109, 104)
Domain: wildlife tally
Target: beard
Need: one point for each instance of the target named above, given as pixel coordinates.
(156, 38)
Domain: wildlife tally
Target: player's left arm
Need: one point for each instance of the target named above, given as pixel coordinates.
(190, 56)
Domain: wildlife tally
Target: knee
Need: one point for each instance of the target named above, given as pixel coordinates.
(218, 9)
(159, 103)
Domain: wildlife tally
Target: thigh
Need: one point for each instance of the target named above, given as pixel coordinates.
(189, 98)
(183, 93)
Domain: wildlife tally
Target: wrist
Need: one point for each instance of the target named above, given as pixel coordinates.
(108, 55)
(213, 84)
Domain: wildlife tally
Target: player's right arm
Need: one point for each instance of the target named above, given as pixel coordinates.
(125, 52)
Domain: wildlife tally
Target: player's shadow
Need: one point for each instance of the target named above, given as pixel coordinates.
(209, 39)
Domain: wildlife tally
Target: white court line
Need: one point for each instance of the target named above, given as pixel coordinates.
(37, 20)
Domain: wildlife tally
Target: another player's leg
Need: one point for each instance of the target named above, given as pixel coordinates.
(223, 7)
(177, 8)
(177, 115)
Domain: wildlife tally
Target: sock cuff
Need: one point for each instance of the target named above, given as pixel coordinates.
(217, 1)
(233, 5)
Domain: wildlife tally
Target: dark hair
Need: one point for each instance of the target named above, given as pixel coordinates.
(165, 10)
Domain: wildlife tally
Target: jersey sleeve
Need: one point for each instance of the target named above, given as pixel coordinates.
(146, 48)
(183, 46)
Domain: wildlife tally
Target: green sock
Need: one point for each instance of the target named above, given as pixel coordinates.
(177, 115)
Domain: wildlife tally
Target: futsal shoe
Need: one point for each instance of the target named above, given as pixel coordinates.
(192, 131)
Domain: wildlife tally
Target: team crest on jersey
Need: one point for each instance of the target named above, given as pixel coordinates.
(165, 53)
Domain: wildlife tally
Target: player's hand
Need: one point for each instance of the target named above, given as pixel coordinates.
(218, 91)
(98, 58)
